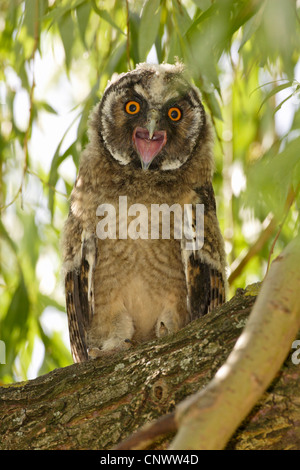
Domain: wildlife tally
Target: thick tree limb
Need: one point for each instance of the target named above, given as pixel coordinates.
(97, 404)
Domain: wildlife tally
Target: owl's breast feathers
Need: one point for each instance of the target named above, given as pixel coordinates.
(145, 276)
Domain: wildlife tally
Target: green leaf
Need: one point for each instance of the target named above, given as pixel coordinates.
(14, 325)
(287, 162)
(250, 28)
(83, 12)
(202, 17)
(296, 121)
(270, 178)
(45, 106)
(56, 161)
(174, 49)
(213, 105)
(278, 107)
(182, 19)
(202, 4)
(106, 17)
(29, 16)
(53, 177)
(5, 236)
(148, 28)
(61, 9)
(274, 91)
(66, 30)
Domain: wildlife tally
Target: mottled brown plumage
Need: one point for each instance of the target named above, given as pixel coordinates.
(149, 140)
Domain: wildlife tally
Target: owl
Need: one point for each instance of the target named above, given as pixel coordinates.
(149, 151)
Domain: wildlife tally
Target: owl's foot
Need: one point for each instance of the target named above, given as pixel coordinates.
(93, 353)
(168, 323)
(162, 330)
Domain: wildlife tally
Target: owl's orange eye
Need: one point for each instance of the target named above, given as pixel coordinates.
(132, 107)
(174, 114)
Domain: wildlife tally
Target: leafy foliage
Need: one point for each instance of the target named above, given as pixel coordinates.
(56, 58)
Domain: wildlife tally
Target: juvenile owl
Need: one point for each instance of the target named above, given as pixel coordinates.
(140, 259)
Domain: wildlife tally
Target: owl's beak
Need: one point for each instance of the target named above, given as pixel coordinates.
(152, 120)
(147, 147)
(149, 141)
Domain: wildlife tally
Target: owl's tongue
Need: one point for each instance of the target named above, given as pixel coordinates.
(148, 148)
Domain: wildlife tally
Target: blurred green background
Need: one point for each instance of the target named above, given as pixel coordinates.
(55, 60)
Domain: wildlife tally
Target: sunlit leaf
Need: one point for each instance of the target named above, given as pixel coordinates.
(14, 325)
(106, 17)
(269, 179)
(66, 29)
(182, 18)
(61, 9)
(148, 27)
(31, 10)
(275, 91)
(5, 236)
(83, 12)
(202, 4)
(53, 177)
(201, 18)
(278, 107)
(213, 105)
(45, 106)
(56, 161)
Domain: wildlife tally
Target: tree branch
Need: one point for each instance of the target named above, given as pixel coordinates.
(100, 403)
(208, 419)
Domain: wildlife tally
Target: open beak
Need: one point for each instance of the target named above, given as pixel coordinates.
(149, 142)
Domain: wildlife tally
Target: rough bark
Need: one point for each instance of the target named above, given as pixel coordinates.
(97, 404)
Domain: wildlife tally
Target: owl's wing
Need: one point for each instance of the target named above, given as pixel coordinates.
(205, 262)
(79, 288)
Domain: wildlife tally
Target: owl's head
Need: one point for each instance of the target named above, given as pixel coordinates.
(151, 118)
